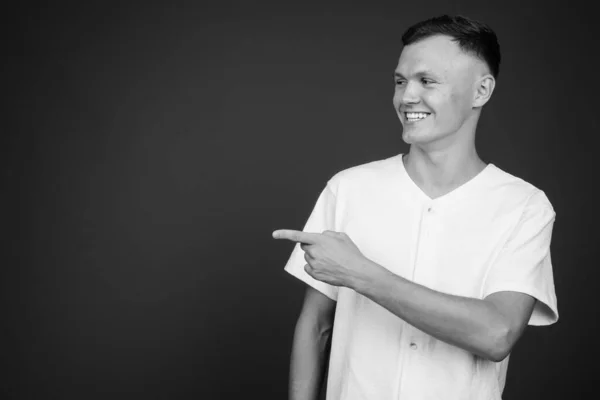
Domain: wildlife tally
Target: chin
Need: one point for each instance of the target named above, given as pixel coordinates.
(422, 138)
(416, 137)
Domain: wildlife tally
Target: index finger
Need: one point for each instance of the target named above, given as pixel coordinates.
(296, 236)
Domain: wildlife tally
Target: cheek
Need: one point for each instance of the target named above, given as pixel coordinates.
(447, 106)
(435, 102)
(460, 101)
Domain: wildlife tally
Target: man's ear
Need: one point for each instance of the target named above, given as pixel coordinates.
(484, 87)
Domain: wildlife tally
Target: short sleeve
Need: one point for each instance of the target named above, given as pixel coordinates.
(524, 264)
(322, 218)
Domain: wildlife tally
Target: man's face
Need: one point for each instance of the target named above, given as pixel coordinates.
(435, 88)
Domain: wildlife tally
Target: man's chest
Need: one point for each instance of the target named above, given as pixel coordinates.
(446, 247)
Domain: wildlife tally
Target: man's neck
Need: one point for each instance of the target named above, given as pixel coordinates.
(441, 171)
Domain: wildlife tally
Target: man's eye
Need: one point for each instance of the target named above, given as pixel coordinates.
(426, 81)
(400, 82)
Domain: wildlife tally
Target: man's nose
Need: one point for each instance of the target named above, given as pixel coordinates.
(411, 93)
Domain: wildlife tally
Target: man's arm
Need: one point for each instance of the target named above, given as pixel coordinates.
(488, 328)
(309, 358)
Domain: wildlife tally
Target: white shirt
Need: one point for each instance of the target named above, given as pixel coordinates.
(491, 234)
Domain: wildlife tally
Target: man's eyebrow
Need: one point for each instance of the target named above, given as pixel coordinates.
(418, 74)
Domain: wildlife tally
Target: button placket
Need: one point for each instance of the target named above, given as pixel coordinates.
(427, 219)
(428, 241)
(423, 251)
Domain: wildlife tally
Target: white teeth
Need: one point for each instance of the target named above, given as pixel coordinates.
(415, 116)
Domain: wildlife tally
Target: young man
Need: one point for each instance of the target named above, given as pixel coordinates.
(425, 267)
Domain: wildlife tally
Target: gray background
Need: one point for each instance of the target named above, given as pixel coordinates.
(148, 152)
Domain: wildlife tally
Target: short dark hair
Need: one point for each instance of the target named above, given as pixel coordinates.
(472, 36)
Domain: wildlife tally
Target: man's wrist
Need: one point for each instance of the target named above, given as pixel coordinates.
(372, 278)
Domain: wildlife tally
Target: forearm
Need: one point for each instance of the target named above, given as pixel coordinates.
(472, 324)
(308, 360)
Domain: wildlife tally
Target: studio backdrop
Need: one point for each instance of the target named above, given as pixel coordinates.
(148, 152)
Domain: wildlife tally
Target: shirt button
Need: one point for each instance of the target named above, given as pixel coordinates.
(413, 346)
(429, 209)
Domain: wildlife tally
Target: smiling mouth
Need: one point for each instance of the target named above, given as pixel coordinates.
(416, 116)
